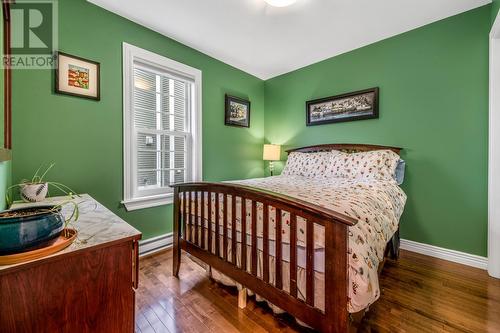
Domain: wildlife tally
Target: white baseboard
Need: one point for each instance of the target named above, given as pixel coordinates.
(165, 241)
(446, 254)
(155, 244)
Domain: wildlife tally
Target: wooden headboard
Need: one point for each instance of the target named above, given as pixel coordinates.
(344, 147)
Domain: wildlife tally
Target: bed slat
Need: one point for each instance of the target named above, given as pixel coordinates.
(293, 255)
(184, 213)
(192, 218)
(254, 238)
(209, 222)
(224, 227)
(310, 263)
(188, 216)
(279, 281)
(233, 229)
(217, 240)
(265, 242)
(195, 197)
(202, 204)
(243, 233)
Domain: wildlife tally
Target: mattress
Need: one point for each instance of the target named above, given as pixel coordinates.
(376, 205)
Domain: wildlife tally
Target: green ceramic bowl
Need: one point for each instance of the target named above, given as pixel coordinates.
(29, 228)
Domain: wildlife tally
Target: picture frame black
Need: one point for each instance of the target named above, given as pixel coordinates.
(230, 119)
(58, 84)
(364, 105)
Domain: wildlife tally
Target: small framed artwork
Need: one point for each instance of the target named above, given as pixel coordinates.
(356, 105)
(76, 76)
(237, 112)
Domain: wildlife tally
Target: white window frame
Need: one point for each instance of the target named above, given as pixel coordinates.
(131, 54)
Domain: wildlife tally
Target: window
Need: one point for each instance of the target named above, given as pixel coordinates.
(162, 127)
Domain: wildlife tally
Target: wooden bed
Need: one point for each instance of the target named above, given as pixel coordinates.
(335, 317)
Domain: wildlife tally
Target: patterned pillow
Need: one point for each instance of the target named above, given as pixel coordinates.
(318, 164)
(309, 164)
(376, 164)
(294, 164)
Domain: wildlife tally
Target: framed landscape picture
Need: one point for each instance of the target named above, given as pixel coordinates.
(76, 76)
(237, 112)
(356, 105)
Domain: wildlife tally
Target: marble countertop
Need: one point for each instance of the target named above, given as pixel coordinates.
(96, 225)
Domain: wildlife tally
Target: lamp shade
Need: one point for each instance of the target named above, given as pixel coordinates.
(272, 152)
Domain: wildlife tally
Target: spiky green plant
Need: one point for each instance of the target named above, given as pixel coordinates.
(38, 178)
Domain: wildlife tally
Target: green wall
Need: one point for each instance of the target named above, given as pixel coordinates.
(84, 137)
(495, 6)
(433, 102)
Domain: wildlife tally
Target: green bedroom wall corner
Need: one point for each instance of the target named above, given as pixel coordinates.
(433, 102)
(84, 137)
(495, 6)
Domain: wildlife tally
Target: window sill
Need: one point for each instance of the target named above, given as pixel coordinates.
(148, 202)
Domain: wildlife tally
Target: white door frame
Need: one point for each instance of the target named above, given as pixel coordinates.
(494, 154)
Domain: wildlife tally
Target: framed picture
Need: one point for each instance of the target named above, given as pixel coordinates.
(356, 105)
(76, 76)
(237, 112)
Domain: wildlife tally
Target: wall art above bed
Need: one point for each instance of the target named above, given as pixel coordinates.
(356, 105)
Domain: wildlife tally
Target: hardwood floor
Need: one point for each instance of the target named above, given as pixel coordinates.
(419, 294)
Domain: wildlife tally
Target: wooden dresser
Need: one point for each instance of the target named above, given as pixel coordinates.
(88, 287)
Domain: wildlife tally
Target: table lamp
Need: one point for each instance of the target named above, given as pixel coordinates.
(271, 153)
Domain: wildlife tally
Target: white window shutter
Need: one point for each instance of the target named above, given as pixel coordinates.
(161, 125)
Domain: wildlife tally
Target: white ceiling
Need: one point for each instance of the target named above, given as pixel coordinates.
(268, 41)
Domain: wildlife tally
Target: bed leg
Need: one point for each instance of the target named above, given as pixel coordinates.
(242, 298)
(177, 235)
(177, 261)
(394, 250)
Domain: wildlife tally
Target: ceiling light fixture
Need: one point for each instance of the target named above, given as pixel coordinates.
(280, 3)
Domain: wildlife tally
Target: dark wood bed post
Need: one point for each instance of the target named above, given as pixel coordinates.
(336, 278)
(177, 233)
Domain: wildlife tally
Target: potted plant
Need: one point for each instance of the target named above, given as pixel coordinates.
(37, 188)
(33, 226)
(29, 228)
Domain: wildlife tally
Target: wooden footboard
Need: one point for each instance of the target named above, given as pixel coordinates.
(195, 236)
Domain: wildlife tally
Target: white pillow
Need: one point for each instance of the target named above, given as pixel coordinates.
(376, 164)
